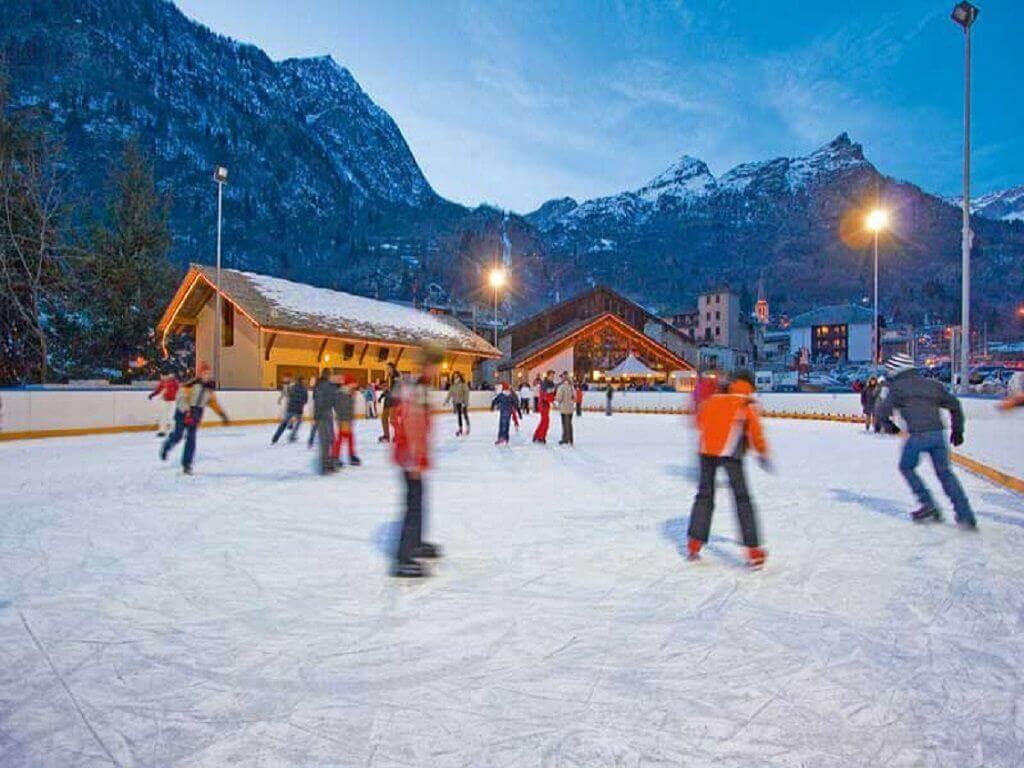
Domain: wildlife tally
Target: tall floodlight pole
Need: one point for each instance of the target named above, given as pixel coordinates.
(877, 220)
(965, 15)
(220, 176)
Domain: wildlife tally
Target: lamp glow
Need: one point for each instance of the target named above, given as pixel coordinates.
(496, 279)
(877, 220)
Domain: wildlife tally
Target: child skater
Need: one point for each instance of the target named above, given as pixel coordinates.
(505, 403)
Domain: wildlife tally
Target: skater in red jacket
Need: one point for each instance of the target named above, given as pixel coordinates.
(167, 389)
(545, 397)
(412, 449)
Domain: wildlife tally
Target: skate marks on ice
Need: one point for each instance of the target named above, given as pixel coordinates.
(251, 622)
(898, 511)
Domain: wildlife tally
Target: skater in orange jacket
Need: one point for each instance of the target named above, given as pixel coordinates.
(729, 424)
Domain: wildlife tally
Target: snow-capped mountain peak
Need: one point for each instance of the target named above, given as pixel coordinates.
(687, 177)
(837, 156)
(1006, 204)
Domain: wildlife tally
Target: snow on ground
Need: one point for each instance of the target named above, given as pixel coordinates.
(243, 616)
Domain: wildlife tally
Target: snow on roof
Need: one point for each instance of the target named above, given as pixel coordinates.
(286, 305)
(838, 314)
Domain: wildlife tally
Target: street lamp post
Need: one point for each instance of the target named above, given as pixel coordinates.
(965, 14)
(877, 221)
(496, 279)
(220, 176)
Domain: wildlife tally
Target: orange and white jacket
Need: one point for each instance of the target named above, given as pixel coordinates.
(730, 422)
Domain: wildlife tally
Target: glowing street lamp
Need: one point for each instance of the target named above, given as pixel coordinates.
(496, 279)
(220, 177)
(965, 15)
(876, 221)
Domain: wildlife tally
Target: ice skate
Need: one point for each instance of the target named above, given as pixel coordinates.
(355, 461)
(410, 569)
(428, 551)
(926, 513)
(755, 558)
(967, 525)
(693, 548)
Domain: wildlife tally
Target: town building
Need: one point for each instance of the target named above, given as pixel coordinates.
(720, 320)
(839, 334)
(592, 333)
(272, 328)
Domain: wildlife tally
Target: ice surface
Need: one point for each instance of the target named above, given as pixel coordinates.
(243, 616)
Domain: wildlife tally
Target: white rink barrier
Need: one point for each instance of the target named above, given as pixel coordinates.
(46, 413)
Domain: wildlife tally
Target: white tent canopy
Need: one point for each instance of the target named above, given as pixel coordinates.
(631, 367)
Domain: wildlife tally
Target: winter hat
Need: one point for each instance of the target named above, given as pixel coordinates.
(899, 363)
(744, 374)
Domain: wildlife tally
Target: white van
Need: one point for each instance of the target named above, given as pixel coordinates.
(764, 381)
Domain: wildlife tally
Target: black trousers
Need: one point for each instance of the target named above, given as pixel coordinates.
(412, 524)
(567, 428)
(463, 414)
(704, 504)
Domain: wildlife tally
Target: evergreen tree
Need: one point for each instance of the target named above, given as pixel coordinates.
(127, 277)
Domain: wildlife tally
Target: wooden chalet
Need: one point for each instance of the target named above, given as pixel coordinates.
(274, 328)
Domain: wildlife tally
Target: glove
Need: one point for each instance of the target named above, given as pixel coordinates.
(957, 438)
(189, 419)
(765, 464)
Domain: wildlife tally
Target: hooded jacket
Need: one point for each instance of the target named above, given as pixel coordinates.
(730, 422)
(919, 401)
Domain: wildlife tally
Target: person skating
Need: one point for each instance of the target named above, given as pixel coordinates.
(920, 402)
(193, 399)
(297, 398)
(388, 401)
(728, 424)
(325, 394)
(505, 403)
(1014, 393)
(167, 389)
(545, 397)
(412, 449)
(565, 402)
(868, 398)
(578, 395)
(458, 396)
(536, 393)
(314, 381)
(525, 396)
(370, 402)
(344, 414)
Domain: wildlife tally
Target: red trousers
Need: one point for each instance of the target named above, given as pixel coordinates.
(545, 420)
(346, 435)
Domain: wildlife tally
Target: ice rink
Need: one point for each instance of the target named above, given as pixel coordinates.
(243, 616)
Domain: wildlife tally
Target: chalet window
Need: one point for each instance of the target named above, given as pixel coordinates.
(227, 312)
(348, 351)
(718, 298)
(382, 354)
(709, 316)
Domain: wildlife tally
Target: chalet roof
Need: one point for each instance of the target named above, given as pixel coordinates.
(837, 314)
(286, 306)
(566, 331)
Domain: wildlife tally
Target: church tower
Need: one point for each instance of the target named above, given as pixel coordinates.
(761, 307)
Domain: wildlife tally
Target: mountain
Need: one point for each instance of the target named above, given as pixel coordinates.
(324, 189)
(800, 220)
(1006, 205)
(322, 186)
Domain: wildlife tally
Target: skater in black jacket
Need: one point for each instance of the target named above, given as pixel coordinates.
(919, 401)
(297, 399)
(324, 396)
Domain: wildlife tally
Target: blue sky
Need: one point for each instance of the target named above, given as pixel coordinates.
(514, 103)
